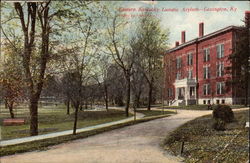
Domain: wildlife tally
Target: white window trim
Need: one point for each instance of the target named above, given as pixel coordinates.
(206, 71)
(207, 53)
(220, 50)
(221, 85)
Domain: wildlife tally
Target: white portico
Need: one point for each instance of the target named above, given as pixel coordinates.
(185, 92)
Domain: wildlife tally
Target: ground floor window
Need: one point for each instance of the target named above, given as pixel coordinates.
(206, 89)
(220, 88)
(191, 91)
(204, 101)
(170, 92)
(180, 92)
(208, 102)
(223, 101)
(217, 101)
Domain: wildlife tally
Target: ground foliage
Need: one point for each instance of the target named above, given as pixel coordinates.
(203, 143)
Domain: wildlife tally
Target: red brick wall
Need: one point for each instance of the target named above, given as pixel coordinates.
(225, 38)
(170, 70)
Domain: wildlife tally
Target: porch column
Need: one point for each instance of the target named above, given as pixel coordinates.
(176, 93)
(186, 94)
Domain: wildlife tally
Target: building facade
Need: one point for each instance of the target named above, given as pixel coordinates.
(196, 71)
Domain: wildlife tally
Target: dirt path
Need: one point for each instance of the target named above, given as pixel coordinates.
(133, 144)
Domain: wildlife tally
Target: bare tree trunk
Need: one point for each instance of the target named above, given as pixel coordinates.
(138, 96)
(33, 116)
(128, 95)
(150, 96)
(5, 103)
(75, 120)
(106, 97)
(86, 105)
(68, 108)
(246, 87)
(10, 106)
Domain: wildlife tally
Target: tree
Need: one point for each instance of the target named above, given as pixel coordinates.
(240, 59)
(34, 11)
(12, 90)
(79, 64)
(116, 87)
(11, 74)
(120, 52)
(153, 40)
(101, 76)
(65, 89)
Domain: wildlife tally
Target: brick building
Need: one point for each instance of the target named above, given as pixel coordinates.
(195, 71)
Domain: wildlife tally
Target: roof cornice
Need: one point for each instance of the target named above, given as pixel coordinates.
(203, 38)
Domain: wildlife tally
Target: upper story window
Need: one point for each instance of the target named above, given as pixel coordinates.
(178, 62)
(206, 89)
(190, 74)
(178, 75)
(189, 59)
(220, 50)
(220, 69)
(206, 72)
(220, 88)
(206, 56)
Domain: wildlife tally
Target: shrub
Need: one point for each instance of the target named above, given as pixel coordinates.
(224, 113)
(219, 125)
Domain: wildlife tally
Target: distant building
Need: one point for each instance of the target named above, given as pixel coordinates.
(195, 70)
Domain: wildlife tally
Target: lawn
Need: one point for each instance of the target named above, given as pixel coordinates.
(204, 144)
(54, 118)
(199, 107)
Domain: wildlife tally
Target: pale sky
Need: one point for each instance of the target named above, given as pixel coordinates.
(188, 21)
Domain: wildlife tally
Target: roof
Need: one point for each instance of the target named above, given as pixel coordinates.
(203, 38)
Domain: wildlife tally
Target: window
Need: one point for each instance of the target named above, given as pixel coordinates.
(190, 74)
(191, 91)
(180, 92)
(204, 101)
(220, 50)
(206, 89)
(206, 55)
(220, 88)
(170, 92)
(223, 101)
(178, 62)
(190, 59)
(206, 72)
(220, 69)
(178, 75)
(208, 102)
(217, 101)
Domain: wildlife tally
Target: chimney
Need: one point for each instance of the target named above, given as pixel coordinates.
(176, 43)
(183, 37)
(247, 18)
(201, 29)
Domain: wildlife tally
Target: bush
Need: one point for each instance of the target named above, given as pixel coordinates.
(224, 113)
(219, 125)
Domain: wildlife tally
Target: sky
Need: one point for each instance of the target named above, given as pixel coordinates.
(177, 21)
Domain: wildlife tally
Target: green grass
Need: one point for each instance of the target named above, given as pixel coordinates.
(53, 119)
(149, 113)
(44, 144)
(199, 107)
(203, 143)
